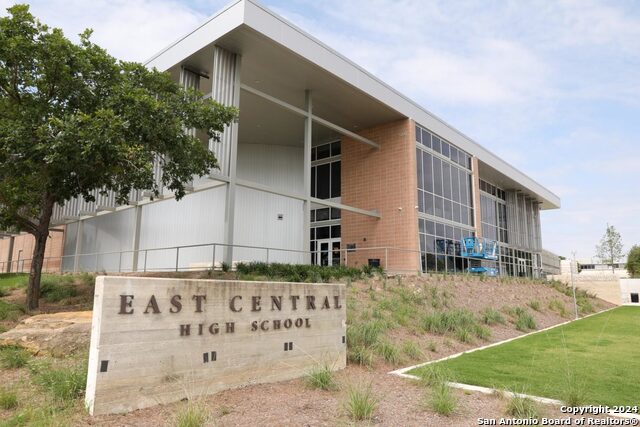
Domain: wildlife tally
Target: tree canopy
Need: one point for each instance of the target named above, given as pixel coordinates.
(633, 262)
(610, 249)
(74, 119)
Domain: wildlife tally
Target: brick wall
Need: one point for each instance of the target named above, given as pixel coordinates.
(384, 180)
(25, 243)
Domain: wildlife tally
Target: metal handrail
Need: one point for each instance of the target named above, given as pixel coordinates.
(20, 264)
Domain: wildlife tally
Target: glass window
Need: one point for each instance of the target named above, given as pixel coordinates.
(455, 185)
(419, 168)
(435, 143)
(323, 177)
(431, 227)
(335, 179)
(426, 139)
(421, 225)
(439, 206)
(421, 201)
(418, 134)
(448, 211)
(335, 231)
(453, 154)
(446, 180)
(322, 232)
(324, 151)
(313, 154)
(445, 149)
(428, 203)
(335, 213)
(335, 148)
(456, 212)
(322, 214)
(427, 170)
(439, 229)
(437, 175)
(313, 181)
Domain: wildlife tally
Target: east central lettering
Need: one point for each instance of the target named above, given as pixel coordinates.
(236, 304)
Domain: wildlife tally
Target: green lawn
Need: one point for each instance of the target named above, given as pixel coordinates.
(10, 281)
(596, 360)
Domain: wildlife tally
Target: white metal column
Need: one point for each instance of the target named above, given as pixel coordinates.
(137, 219)
(308, 128)
(230, 205)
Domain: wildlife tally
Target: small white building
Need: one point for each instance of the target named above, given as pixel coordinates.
(630, 291)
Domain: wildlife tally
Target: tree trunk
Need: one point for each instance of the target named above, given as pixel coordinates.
(41, 235)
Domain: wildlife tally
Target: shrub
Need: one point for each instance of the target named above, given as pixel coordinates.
(574, 392)
(321, 377)
(192, 415)
(365, 334)
(433, 374)
(557, 305)
(522, 407)
(8, 399)
(411, 349)
(13, 357)
(65, 384)
(442, 399)
(360, 355)
(225, 267)
(360, 403)
(535, 305)
(56, 291)
(432, 347)
(491, 316)
(462, 323)
(523, 320)
(389, 352)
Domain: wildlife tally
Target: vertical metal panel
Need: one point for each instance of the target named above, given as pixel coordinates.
(106, 233)
(223, 78)
(277, 166)
(69, 246)
(196, 219)
(257, 224)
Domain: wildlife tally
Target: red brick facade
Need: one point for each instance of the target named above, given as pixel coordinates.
(383, 180)
(23, 250)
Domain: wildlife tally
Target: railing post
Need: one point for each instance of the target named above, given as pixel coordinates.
(145, 260)
(213, 260)
(177, 256)
(267, 256)
(95, 270)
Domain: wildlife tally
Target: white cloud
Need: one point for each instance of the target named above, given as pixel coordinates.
(129, 29)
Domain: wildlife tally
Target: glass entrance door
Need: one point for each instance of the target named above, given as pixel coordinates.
(328, 252)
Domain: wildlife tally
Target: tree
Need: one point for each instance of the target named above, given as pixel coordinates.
(74, 119)
(610, 248)
(633, 262)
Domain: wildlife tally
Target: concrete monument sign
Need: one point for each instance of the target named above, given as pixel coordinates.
(160, 340)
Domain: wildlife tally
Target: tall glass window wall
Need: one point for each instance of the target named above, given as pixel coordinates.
(440, 246)
(444, 179)
(493, 207)
(325, 230)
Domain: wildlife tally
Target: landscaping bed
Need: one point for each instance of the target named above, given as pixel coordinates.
(391, 321)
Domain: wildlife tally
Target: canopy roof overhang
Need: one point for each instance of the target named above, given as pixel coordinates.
(283, 61)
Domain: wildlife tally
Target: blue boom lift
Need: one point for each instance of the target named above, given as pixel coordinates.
(478, 249)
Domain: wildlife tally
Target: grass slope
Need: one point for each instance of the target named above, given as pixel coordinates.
(597, 359)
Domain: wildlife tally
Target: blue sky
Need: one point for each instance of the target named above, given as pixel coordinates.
(552, 87)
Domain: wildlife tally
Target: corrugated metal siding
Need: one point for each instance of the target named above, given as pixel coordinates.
(196, 219)
(107, 233)
(277, 166)
(257, 224)
(224, 72)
